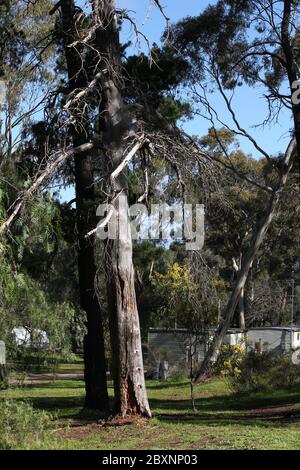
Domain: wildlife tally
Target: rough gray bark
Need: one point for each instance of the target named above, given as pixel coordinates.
(246, 264)
(128, 370)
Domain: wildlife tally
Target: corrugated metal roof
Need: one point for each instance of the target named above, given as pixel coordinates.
(280, 328)
(184, 330)
(229, 331)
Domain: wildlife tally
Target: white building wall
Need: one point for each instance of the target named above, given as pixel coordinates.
(234, 338)
(296, 339)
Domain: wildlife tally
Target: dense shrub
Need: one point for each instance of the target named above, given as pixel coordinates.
(21, 425)
(265, 372)
(229, 360)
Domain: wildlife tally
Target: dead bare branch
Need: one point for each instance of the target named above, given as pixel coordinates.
(56, 161)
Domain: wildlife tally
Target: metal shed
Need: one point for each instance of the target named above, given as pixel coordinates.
(172, 346)
(274, 338)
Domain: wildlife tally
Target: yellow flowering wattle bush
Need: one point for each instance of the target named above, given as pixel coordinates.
(177, 277)
(230, 358)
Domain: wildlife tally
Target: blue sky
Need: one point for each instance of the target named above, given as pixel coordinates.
(249, 103)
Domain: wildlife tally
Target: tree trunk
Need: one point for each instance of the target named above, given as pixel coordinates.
(128, 370)
(246, 264)
(94, 355)
(241, 303)
(291, 60)
(242, 323)
(282, 308)
(3, 375)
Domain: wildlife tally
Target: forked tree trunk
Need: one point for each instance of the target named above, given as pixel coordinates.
(128, 370)
(246, 264)
(94, 355)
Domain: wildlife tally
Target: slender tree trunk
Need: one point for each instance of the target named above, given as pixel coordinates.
(242, 323)
(3, 375)
(283, 307)
(246, 264)
(128, 370)
(241, 303)
(94, 355)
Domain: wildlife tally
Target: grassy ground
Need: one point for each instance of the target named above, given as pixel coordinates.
(222, 421)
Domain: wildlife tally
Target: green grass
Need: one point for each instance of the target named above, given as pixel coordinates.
(223, 420)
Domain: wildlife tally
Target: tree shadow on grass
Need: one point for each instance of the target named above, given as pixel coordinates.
(69, 407)
(228, 409)
(225, 403)
(279, 419)
(165, 385)
(57, 403)
(256, 409)
(58, 384)
(53, 384)
(64, 407)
